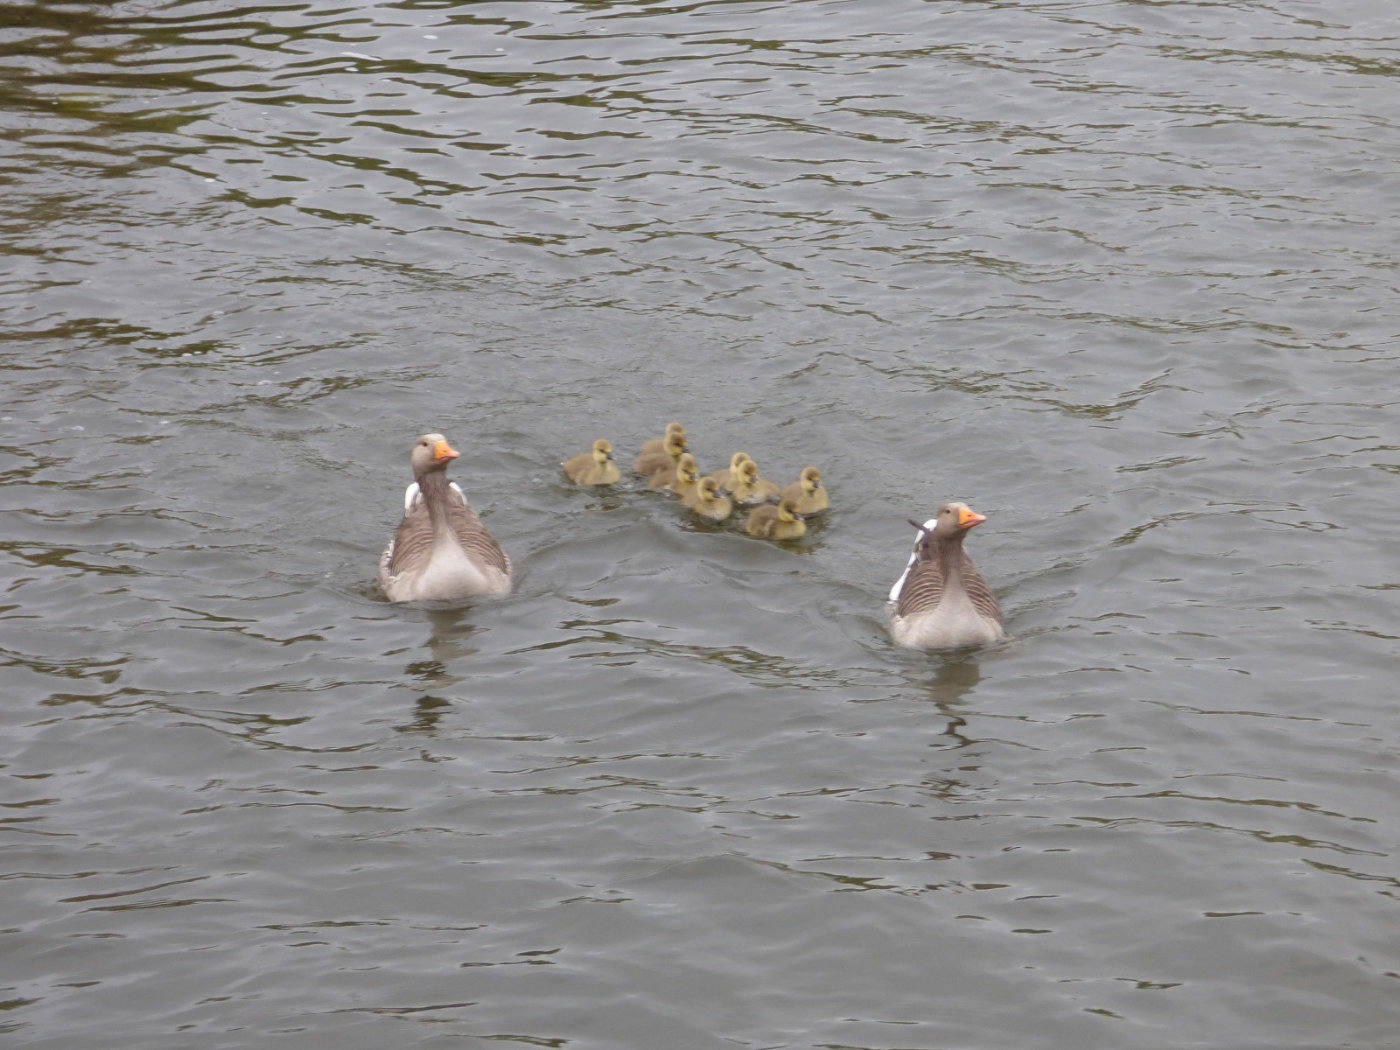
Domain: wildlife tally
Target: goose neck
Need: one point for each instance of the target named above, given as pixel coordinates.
(434, 487)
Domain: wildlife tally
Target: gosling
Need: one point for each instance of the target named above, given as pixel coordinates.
(595, 467)
(726, 476)
(808, 492)
(776, 522)
(658, 444)
(750, 489)
(709, 502)
(681, 480)
(664, 458)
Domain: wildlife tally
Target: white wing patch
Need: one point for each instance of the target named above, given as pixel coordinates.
(913, 557)
(899, 583)
(411, 495)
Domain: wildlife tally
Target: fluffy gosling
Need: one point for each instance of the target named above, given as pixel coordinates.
(808, 492)
(657, 444)
(749, 489)
(664, 458)
(724, 477)
(776, 521)
(709, 502)
(595, 467)
(681, 480)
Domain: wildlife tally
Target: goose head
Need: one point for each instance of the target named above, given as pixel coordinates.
(431, 452)
(953, 520)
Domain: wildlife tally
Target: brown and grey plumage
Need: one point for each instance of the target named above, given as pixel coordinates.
(595, 467)
(778, 521)
(709, 502)
(682, 480)
(725, 476)
(808, 492)
(941, 601)
(748, 488)
(664, 458)
(441, 549)
(657, 444)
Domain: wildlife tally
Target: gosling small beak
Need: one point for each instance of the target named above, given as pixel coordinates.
(443, 451)
(967, 517)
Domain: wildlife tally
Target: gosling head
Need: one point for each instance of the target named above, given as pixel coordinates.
(787, 509)
(708, 490)
(431, 452)
(748, 472)
(674, 444)
(687, 468)
(811, 480)
(675, 428)
(602, 451)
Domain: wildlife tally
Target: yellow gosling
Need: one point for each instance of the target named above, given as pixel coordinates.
(776, 521)
(749, 489)
(664, 458)
(686, 476)
(808, 492)
(725, 476)
(595, 467)
(657, 444)
(708, 502)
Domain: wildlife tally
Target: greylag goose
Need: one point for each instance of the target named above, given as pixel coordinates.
(657, 444)
(726, 476)
(776, 521)
(664, 458)
(595, 467)
(748, 488)
(808, 492)
(707, 501)
(941, 601)
(441, 549)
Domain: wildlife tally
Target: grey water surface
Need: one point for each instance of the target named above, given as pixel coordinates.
(1121, 275)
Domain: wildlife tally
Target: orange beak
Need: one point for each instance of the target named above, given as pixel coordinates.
(967, 517)
(444, 451)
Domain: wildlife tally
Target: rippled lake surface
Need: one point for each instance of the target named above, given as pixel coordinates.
(1122, 275)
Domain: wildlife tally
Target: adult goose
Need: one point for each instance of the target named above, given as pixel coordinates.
(941, 601)
(441, 549)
